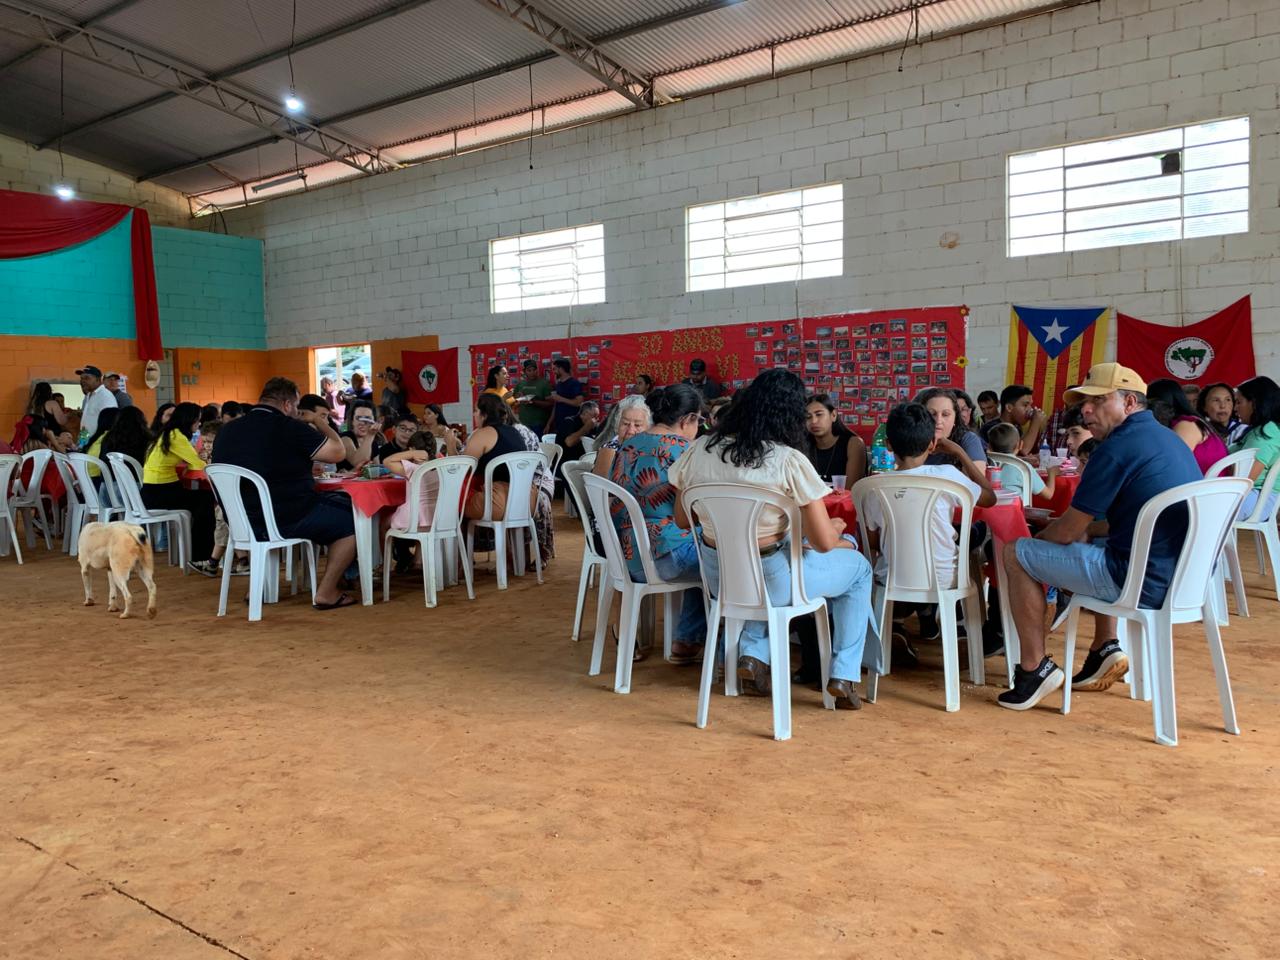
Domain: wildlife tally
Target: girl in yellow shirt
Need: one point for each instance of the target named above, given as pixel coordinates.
(162, 490)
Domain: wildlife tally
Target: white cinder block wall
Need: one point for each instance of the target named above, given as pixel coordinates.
(921, 153)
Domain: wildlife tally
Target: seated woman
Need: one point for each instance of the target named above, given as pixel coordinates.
(129, 434)
(48, 427)
(419, 449)
(628, 417)
(945, 408)
(544, 484)
(640, 467)
(833, 449)
(434, 423)
(93, 446)
(1258, 404)
(1217, 407)
(363, 442)
(493, 437)
(760, 442)
(162, 490)
(1169, 405)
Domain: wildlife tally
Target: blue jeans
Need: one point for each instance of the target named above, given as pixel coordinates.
(1077, 567)
(843, 577)
(682, 564)
(1251, 502)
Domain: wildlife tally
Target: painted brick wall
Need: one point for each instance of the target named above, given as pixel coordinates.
(210, 289)
(921, 152)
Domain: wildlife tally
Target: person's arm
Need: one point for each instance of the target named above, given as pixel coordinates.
(396, 461)
(1071, 527)
(332, 450)
(1031, 441)
(480, 442)
(604, 462)
(1050, 484)
(450, 442)
(682, 519)
(56, 412)
(856, 466)
(1189, 433)
(987, 497)
(821, 531)
(575, 439)
(183, 449)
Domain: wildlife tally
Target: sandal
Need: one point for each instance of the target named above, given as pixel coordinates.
(344, 600)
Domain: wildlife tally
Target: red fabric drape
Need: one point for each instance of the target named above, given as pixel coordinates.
(32, 224)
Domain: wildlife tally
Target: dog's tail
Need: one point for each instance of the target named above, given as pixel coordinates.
(140, 536)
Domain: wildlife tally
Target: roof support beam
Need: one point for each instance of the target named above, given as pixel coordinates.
(22, 58)
(577, 50)
(58, 33)
(404, 6)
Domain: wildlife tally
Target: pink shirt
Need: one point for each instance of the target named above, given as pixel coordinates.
(427, 509)
(1209, 450)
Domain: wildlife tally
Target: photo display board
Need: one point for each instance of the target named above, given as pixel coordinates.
(867, 362)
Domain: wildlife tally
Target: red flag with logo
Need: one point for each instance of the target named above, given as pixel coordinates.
(1218, 349)
(430, 376)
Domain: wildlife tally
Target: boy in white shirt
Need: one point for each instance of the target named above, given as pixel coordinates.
(912, 440)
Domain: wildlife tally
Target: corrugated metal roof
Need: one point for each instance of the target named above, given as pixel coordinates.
(407, 53)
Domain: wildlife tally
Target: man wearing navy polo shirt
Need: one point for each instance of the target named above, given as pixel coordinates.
(1136, 459)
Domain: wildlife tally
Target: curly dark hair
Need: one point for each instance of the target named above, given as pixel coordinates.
(128, 435)
(769, 410)
(958, 430)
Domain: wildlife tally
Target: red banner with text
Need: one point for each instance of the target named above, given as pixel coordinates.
(867, 362)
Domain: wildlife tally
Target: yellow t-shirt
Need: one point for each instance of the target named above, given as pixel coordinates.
(159, 467)
(95, 450)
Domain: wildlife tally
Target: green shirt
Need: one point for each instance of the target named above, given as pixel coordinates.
(1266, 440)
(533, 417)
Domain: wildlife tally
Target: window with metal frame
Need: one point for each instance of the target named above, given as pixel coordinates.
(1170, 184)
(770, 238)
(556, 268)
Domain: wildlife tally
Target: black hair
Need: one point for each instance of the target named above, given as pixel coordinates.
(646, 378)
(1073, 416)
(562, 363)
(670, 405)
(910, 429)
(313, 401)
(1004, 438)
(156, 424)
(494, 411)
(1086, 449)
(423, 440)
(1263, 393)
(492, 380)
(364, 403)
(184, 419)
(106, 419)
(231, 408)
(279, 390)
(1013, 393)
(129, 434)
(1167, 402)
(210, 411)
(1222, 430)
(529, 362)
(968, 402)
(403, 417)
(837, 425)
(988, 395)
(41, 394)
(438, 411)
(769, 410)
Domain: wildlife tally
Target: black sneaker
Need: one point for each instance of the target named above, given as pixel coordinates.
(1101, 668)
(1032, 686)
(208, 568)
(992, 640)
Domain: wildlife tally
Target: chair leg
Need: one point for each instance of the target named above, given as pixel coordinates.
(464, 556)
(500, 553)
(1069, 653)
(386, 570)
(1232, 553)
(225, 590)
(584, 578)
(1163, 707)
(604, 606)
(13, 536)
(1219, 657)
(708, 666)
(628, 625)
(537, 551)
(668, 623)
(950, 654)
(977, 665)
(258, 560)
(1271, 540)
(429, 561)
(780, 674)
(732, 636)
(822, 623)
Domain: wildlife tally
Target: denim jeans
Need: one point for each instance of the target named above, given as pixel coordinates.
(843, 577)
(682, 564)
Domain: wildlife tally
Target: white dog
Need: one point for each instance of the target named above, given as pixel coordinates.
(121, 548)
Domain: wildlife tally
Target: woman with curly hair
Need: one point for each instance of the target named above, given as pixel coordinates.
(128, 434)
(760, 441)
(945, 407)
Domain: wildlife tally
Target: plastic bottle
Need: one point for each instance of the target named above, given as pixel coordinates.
(1046, 454)
(879, 451)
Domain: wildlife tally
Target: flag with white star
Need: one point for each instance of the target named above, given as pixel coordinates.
(1052, 348)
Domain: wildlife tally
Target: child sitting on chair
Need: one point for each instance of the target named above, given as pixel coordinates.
(1004, 438)
(422, 449)
(221, 532)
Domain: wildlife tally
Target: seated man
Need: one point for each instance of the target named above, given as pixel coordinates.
(404, 426)
(1135, 460)
(575, 429)
(1016, 407)
(279, 442)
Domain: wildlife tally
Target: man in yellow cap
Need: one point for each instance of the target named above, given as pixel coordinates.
(1136, 459)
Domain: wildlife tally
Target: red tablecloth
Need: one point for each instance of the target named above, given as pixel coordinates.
(50, 484)
(1064, 488)
(839, 506)
(369, 496)
(1006, 520)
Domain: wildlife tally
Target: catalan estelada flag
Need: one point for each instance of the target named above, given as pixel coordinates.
(1052, 348)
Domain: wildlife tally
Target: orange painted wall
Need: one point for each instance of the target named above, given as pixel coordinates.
(219, 375)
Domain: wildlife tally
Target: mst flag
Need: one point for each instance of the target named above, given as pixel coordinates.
(1052, 348)
(430, 376)
(1217, 349)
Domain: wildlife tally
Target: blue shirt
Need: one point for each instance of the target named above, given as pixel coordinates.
(1139, 460)
(640, 467)
(569, 388)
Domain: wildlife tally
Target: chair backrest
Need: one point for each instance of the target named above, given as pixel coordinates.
(1211, 510)
(227, 481)
(588, 444)
(573, 473)
(79, 464)
(553, 452)
(452, 473)
(1236, 464)
(599, 492)
(548, 438)
(734, 511)
(523, 471)
(1264, 511)
(69, 481)
(1007, 460)
(589, 459)
(909, 505)
(10, 464)
(39, 460)
(128, 476)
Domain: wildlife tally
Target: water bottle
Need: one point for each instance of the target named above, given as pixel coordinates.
(1046, 454)
(879, 451)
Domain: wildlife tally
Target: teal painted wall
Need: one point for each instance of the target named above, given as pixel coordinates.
(209, 288)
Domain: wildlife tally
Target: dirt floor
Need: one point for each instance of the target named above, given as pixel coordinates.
(397, 782)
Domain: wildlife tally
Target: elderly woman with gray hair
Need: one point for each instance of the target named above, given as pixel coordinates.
(629, 416)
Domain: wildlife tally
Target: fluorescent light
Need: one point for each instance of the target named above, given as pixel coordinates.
(64, 192)
(278, 182)
(292, 103)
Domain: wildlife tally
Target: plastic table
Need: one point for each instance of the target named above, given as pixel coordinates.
(368, 499)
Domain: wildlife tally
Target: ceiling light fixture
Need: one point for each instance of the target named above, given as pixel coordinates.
(292, 103)
(64, 192)
(62, 188)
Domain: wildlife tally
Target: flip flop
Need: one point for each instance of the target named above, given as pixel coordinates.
(344, 600)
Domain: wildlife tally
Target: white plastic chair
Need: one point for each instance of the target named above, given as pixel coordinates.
(128, 476)
(522, 469)
(445, 532)
(553, 452)
(264, 564)
(1262, 521)
(10, 464)
(1024, 468)
(28, 497)
(733, 510)
(617, 578)
(1238, 464)
(98, 504)
(588, 444)
(74, 519)
(907, 505)
(548, 438)
(1211, 509)
(593, 563)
